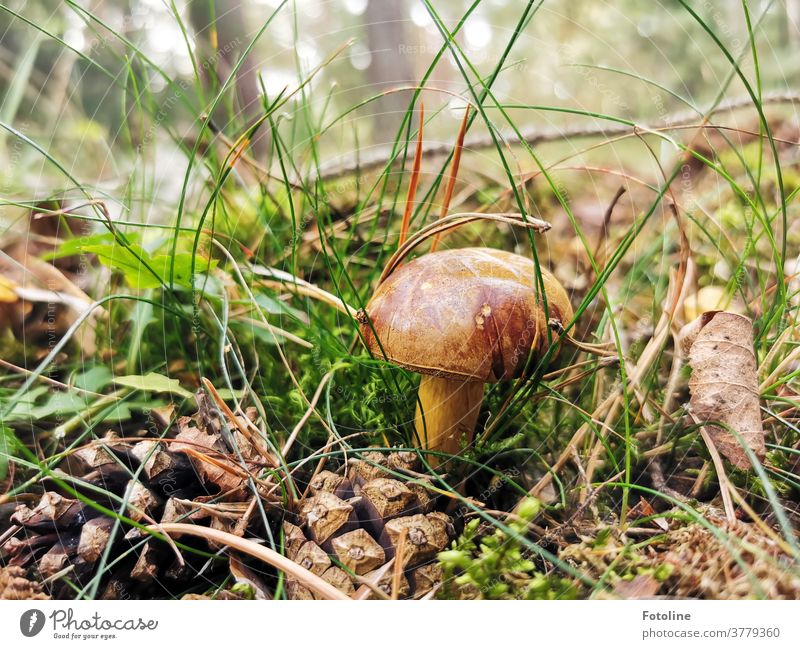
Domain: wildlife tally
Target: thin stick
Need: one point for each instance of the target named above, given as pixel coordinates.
(47, 379)
(305, 577)
(371, 585)
(398, 564)
(602, 236)
(535, 136)
(11, 531)
(309, 411)
(276, 331)
(282, 279)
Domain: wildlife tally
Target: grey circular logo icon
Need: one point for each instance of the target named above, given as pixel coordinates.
(31, 622)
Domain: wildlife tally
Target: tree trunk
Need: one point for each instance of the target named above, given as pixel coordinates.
(390, 65)
(793, 22)
(220, 51)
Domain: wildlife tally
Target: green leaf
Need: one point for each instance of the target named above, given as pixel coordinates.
(78, 245)
(123, 411)
(183, 266)
(94, 379)
(42, 403)
(133, 261)
(153, 382)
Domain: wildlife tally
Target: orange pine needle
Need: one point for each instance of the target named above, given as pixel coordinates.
(451, 181)
(240, 149)
(412, 186)
(222, 466)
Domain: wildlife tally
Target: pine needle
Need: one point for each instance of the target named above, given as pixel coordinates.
(412, 186)
(451, 181)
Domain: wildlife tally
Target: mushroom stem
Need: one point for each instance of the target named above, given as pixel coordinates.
(450, 410)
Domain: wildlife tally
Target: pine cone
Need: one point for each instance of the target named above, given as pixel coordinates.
(347, 530)
(354, 521)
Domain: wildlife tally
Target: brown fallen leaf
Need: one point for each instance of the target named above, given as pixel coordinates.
(14, 584)
(724, 383)
(46, 300)
(643, 509)
(640, 587)
(208, 455)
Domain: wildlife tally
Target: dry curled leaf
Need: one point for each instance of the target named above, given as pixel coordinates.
(209, 457)
(14, 584)
(724, 383)
(640, 587)
(40, 300)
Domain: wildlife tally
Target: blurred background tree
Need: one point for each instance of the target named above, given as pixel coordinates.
(91, 84)
(385, 24)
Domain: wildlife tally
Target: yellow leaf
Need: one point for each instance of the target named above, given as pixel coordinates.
(8, 293)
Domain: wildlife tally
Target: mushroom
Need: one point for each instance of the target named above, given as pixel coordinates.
(461, 318)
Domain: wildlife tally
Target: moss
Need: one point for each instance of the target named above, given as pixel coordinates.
(488, 563)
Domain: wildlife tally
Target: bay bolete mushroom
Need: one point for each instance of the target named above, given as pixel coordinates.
(461, 318)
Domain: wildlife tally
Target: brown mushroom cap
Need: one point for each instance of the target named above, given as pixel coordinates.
(468, 313)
